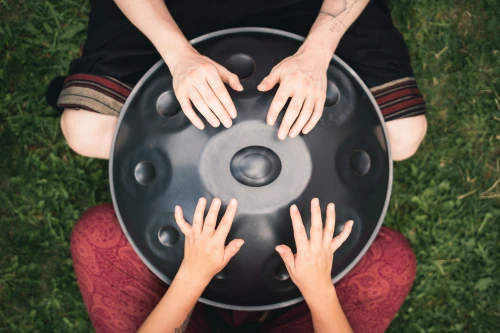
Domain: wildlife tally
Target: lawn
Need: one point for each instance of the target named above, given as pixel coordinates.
(446, 199)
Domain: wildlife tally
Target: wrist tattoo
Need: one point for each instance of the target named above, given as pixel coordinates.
(341, 12)
(182, 328)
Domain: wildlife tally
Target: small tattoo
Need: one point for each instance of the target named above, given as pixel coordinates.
(182, 328)
(340, 13)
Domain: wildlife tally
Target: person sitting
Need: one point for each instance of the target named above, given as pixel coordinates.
(127, 37)
(122, 295)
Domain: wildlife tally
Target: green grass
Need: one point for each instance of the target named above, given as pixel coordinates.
(440, 200)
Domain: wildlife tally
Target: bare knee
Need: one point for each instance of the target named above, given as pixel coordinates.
(406, 135)
(87, 133)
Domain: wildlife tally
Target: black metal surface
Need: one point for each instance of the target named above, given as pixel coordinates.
(160, 160)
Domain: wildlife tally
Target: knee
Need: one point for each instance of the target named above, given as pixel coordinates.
(96, 223)
(406, 135)
(86, 134)
(399, 255)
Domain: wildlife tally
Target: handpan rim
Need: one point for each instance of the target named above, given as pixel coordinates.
(283, 34)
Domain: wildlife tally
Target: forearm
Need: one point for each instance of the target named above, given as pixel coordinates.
(173, 312)
(326, 312)
(334, 18)
(153, 19)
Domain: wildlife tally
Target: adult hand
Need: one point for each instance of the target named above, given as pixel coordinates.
(204, 252)
(200, 80)
(311, 266)
(302, 78)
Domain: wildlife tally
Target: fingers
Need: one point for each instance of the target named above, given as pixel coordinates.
(200, 104)
(316, 231)
(329, 224)
(271, 80)
(190, 113)
(299, 231)
(231, 249)
(181, 222)
(287, 256)
(213, 102)
(229, 78)
(227, 221)
(199, 215)
(305, 114)
(211, 219)
(340, 239)
(291, 115)
(278, 104)
(315, 117)
(221, 94)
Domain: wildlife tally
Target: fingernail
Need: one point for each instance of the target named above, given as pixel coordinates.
(294, 208)
(232, 202)
(240, 87)
(331, 207)
(281, 135)
(216, 202)
(315, 202)
(240, 243)
(279, 250)
(202, 200)
(177, 209)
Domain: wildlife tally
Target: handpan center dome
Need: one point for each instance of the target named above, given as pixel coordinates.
(255, 166)
(160, 160)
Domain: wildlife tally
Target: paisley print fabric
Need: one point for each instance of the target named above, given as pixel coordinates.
(119, 291)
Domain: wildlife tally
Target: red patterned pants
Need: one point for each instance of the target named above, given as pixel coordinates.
(120, 292)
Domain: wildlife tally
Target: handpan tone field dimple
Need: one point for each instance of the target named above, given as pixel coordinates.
(241, 64)
(167, 104)
(360, 162)
(160, 160)
(168, 236)
(145, 172)
(281, 273)
(332, 94)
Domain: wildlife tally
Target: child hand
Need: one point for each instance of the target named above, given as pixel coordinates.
(204, 252)
(310, 268)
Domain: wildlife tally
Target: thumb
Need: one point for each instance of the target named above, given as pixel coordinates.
(231, 249)
(287, 256)
(269, 81)
(229, 78)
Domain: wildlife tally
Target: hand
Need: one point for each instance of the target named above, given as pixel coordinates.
(199, 80)
(310, 269)
(303, 78)
(204, 252)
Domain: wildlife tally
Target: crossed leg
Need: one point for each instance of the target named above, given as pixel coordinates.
(119, 291)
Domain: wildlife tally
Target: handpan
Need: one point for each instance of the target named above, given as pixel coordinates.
(159, 160)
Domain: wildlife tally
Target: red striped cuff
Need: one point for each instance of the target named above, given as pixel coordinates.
(399, 99)
(101, 94)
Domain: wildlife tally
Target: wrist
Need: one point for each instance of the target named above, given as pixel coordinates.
(319, 295)
(174, 55)
(176, 48)
(192, 278)
(322, 39)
